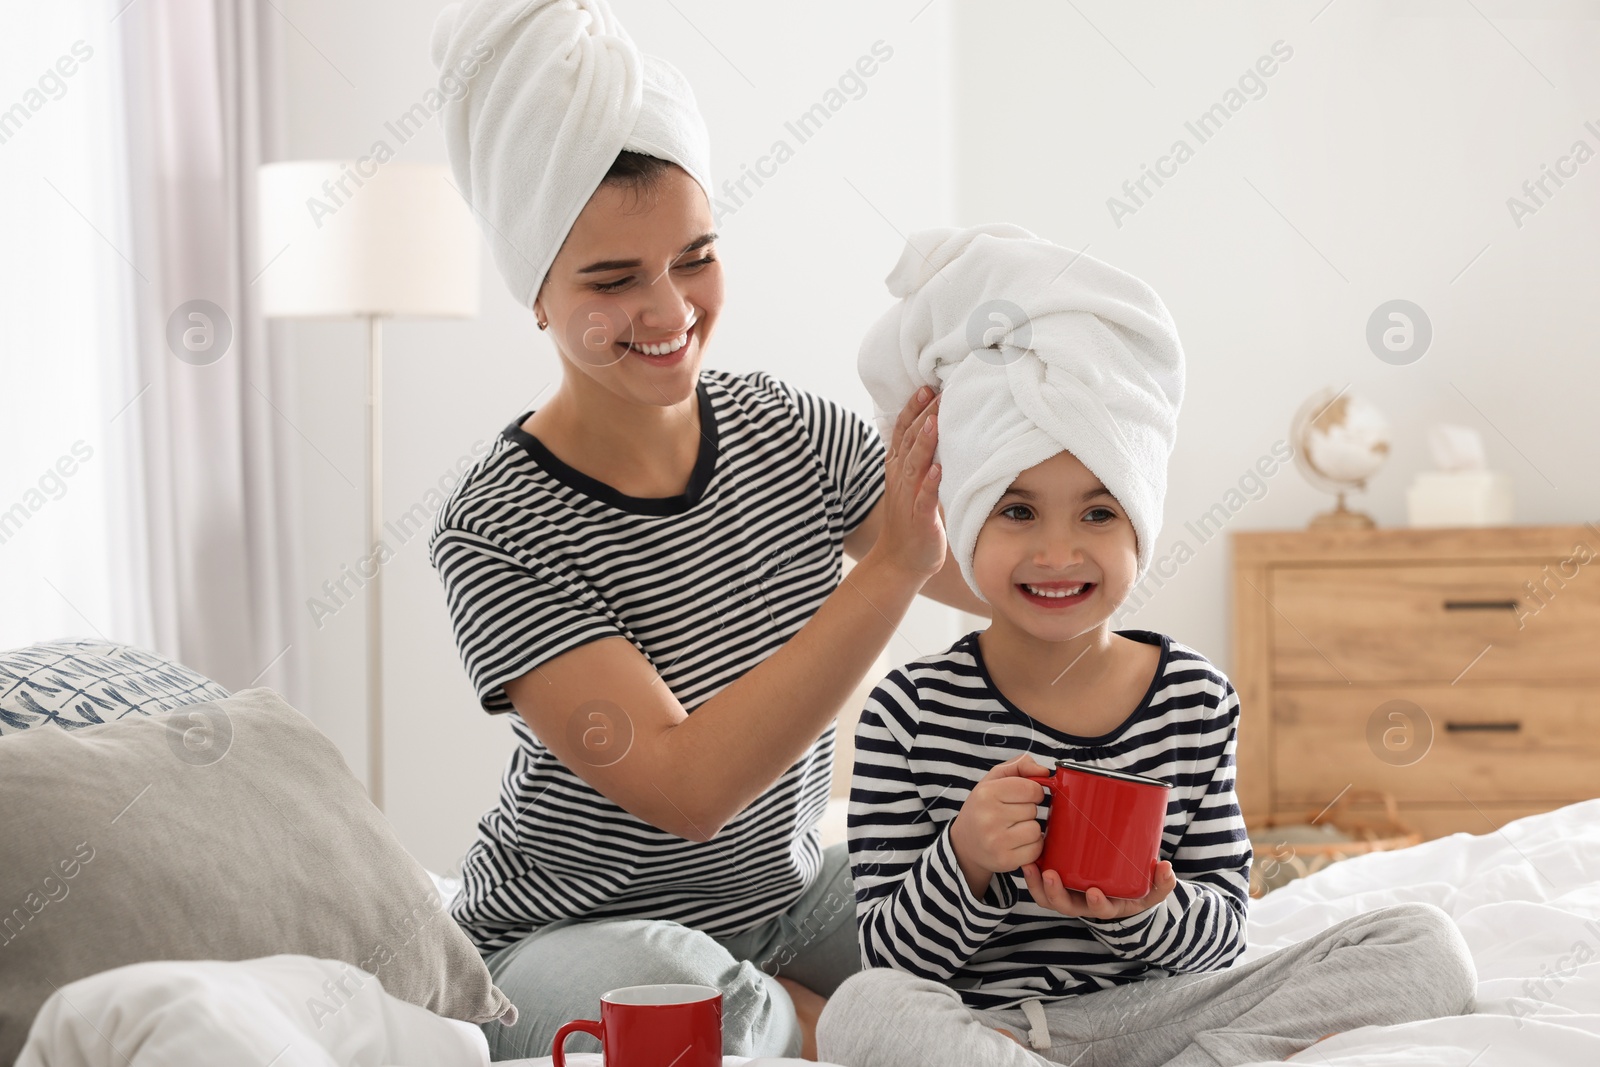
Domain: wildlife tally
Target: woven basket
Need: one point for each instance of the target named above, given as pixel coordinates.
(1288, 849)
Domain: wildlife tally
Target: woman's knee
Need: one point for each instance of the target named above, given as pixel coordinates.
(564, 974)
(757, 1017)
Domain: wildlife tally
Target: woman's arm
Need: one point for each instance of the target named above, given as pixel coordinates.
(692, 774)
(949, 586)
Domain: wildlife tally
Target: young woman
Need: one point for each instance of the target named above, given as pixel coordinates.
(646, 570)
(660, 539)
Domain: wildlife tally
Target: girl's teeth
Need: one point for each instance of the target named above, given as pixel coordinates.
(1054, 594)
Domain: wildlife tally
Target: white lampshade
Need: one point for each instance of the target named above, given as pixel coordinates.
(400, 243)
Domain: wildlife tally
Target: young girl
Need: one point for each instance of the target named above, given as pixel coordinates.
(1060, 379)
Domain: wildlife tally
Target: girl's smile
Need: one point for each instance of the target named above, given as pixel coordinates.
(1055, 595)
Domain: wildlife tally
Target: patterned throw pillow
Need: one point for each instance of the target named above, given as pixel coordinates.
(72, 684)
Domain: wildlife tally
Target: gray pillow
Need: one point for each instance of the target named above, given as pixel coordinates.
(227, 830)
(72, 684)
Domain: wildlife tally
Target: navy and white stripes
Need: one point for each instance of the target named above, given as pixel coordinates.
(929, 733)
(537, 558)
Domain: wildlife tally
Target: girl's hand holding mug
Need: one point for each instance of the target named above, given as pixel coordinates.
(1048, 892)
(997, 829)
(1105, 829)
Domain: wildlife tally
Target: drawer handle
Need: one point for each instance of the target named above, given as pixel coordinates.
(1495, 727)
(1480, 605)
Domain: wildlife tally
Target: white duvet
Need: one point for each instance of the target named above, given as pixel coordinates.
(1526, 897)
(1527, 900)
(287, 1011)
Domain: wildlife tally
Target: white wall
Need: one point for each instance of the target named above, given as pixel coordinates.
(805, 257)
(1390, 140)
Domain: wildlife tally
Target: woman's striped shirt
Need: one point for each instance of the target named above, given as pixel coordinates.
(537, 558)
(932, 729)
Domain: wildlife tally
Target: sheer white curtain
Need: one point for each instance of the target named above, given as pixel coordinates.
(68, 565)
(217, 450)
(186, 544)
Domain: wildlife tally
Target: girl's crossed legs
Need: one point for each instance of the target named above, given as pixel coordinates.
(1395, 964)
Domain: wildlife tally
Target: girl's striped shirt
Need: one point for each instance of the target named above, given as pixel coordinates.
(537, 558)
(932, 729)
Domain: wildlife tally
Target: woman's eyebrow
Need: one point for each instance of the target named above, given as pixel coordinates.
(609, 264)
(1098, 490)
(628, 264)
(699, 242)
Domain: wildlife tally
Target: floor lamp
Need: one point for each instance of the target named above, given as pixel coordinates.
(342, 239)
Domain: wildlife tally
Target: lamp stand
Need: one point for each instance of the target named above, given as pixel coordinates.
(374, 538)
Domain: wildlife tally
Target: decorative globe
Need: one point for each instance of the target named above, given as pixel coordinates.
(1340, 441)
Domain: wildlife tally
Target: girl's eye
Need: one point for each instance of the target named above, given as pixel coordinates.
(1100, 515)
(611, 287)
(1019, 512)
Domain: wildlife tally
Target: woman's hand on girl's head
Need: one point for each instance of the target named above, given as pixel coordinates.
(1048, 892)
(945, 583)
(912, 537)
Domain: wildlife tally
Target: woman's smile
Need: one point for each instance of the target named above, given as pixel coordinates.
(664, 353)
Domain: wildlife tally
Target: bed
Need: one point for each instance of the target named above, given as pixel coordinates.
(1527, 900)
(1526, 897)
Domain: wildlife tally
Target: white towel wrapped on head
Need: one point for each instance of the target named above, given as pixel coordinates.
(1035, 350)
(559, 90)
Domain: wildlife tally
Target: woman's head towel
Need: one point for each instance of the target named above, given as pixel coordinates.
(561, 90)
(1035, 349)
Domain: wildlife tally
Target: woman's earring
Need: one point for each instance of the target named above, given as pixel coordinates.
(543, 324)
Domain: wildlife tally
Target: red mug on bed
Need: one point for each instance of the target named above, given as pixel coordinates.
(1104, 829)
(654, 1026)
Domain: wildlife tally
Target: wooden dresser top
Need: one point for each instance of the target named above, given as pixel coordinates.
(1404, 544)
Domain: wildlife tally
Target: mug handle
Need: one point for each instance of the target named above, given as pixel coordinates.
(1050, 785)
(1046, 780)
(587, 1026)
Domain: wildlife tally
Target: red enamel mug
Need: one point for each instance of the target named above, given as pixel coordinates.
(653, 1026)
(1104, 829)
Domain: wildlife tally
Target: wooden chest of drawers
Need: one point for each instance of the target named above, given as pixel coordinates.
(1457, 669)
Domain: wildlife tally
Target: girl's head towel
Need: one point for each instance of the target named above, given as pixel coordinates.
(554, 90)
(1035, 349)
